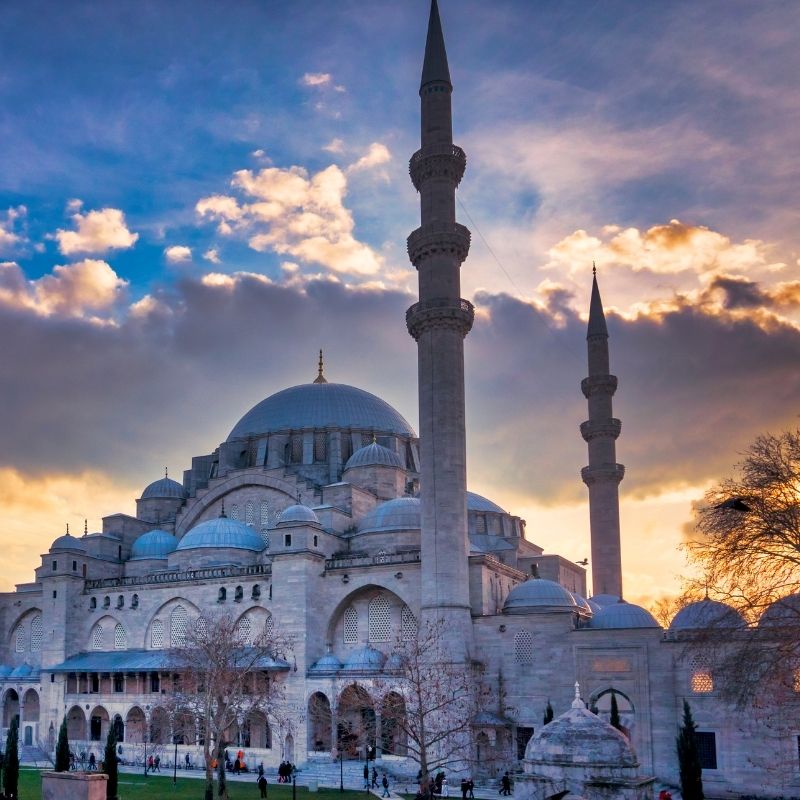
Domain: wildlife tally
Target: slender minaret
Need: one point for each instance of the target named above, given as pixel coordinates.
(439, 322)
(603, 474)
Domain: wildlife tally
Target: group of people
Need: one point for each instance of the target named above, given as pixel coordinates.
(153, 763)
(75, 763)
(505, 785)
(285, 772)
(467, 789)
(374, 783)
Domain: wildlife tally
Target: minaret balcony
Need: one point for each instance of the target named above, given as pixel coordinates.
(438, 238)
(599, 384)
(442, 161)
(440, 312)
(603, 473)
(600, 429)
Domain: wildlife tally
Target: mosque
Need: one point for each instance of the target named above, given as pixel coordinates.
(325, 514)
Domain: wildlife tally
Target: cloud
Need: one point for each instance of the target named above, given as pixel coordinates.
(376, 155)
(316, 79)
(97, 232)
(293, 213)
(8, 238)
(178, 253)
(335, 145)
(212, 255)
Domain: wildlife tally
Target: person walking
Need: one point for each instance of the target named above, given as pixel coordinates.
(505, 784)
(366, 777)
(92, 762)
(385, 784)
(471, 787)
(464, 788)
(157, 764)
(445, 788)
(374, 778)
(262, 784)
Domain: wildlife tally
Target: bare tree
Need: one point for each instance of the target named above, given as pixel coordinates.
(666, 607)
(226, 674)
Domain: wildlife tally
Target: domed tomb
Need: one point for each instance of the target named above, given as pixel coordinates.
(161, 500)
(706, 614)
(623, 615)
(68, 542)
(538, 595)
(378, 470)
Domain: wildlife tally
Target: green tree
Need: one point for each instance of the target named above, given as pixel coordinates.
(548, 714)
(689, 758)
(62, 748)
(11, 770)
(110, 764)
(613, 719)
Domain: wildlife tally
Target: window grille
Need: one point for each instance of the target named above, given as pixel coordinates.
(265, 538)
(382, 557)
(179, 621)
(120, 638)
(269, 627)
(707, 749)
(297, 449)
(380, 621)
(201, 628)
(235, 511)
(97, 637)
(480, 523)
(250, 513)
(351, 626)
(264, 514)
(244, 631)
(320, 447)
(366, 438)
(157, 635)
(702, 680)
(19, 643)
(523, 647)
(408, 624)
(36, 633)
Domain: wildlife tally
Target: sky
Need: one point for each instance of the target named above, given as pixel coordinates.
(195, 197)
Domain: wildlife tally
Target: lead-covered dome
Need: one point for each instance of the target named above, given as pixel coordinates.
(364, 659)
(785, 611)
(321, 405)
(400, 514)
(374, 455)
(153, 544)
(539, 595)
(707, 614)
(328, 663)
(163, 489)
(476, 502)
(68, 542)
(297, 514)
(623, 615)
(222, 533)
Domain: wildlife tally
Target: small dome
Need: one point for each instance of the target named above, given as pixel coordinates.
(785, 611)
(623, 615)
(400, 514)
(477, 503)
(374, 455)
(5, 670)
(68, 542)
(706, 614)
(364, 659)
(221, 533)
(395, 663)
(297, 515)
(538, 595)
(153, 544)
(581, 739)
(604, 600)
(22, 671)
(328, 663)
(165, 488)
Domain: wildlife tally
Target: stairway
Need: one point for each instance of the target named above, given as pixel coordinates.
(31, 754)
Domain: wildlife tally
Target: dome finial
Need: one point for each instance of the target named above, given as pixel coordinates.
(594, 269)
(320, 377)
(68, 529)
(222, 513)
(577, 702)
(86, 527)
(166, 472)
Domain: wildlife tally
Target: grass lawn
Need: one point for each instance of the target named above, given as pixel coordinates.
(137, 787)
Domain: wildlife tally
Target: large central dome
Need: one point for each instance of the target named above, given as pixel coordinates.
(321, 405)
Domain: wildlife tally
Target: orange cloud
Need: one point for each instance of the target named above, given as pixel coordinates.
(97, 232)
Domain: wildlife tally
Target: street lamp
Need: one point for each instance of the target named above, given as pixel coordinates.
(175, 763)
(341, 770)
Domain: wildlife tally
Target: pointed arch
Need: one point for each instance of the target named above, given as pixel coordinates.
(178, 625)
(120, 637)
(379, 619)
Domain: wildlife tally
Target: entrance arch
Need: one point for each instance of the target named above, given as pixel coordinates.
(159, 727)
(119, 728)
(135, 725)
(356, 728)
(393, 715)
(10, 707)
(320, 723)
(98, 724)
(601, 705)
(256, 731)
(31, 706)
(76, 724)
(288, 748)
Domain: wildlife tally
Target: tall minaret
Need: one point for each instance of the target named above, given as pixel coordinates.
(439, 322)
(603, 474)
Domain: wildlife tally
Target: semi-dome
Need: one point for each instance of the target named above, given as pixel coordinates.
(321, 405)
(400, 514)
(364, 659)
(163, 489)
(222, 533)
(68, 542)
(476, 502)
(538, 595)
(785, 611)
(297, 514)
(328, 663)
(153, 544)
(581, 739)
(623, 615)
(374, 455)
(707, 614)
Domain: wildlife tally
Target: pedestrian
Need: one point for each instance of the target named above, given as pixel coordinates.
(366, 777)
(374, 778)
(505, 785)
(464, 788)
(385, 784)
(187, 762)
(92, 762)
(150, 765)
(262, 784)
(157, 764)
(445, 790)
(261, 770)
(237, 767)
(471, 786)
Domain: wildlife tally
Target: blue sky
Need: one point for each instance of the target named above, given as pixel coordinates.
(195, 196)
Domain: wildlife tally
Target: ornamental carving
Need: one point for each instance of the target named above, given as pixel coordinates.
(600, 429)
(437, 161)
(438, 238)
(441, 312)
(599, 384)
(604, 473)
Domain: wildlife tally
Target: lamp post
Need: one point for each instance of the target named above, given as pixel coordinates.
(175, 762)
(341, 770)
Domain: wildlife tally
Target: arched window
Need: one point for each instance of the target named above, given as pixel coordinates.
(297, 449)
(523, 647)
(269, 626)
(106, 602)
(201, 628)
(408, 624)
(120, 638)
(350, 626)
(380, 622)
(239, 594)
(178, 623)
(255, 593)
(265, 538)
(250, 513)
(244, 631)
(157, 635)
(234, 513)
(135, 601)
(97, 637)
(92, 604)
(264, 515)
(701, 681)
(20, 640)
(320, 446)
(222, 594)
(36, 633)
(120, 601)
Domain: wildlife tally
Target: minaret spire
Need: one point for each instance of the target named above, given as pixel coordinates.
(439, 322)
(320, 377)
(603, 474)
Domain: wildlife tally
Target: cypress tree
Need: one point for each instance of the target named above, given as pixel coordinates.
(689, 758)
(614, 717)
(11, 771)
(110, 764)
(62, 748)
(548, 713)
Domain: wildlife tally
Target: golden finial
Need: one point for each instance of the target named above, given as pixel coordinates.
(320, 377)
(594, 269)
(86, 527)
(68, 529)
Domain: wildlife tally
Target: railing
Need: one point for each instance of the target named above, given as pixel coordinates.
(437, 150)
(348, 562)
(440, 302)
(179, 576)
